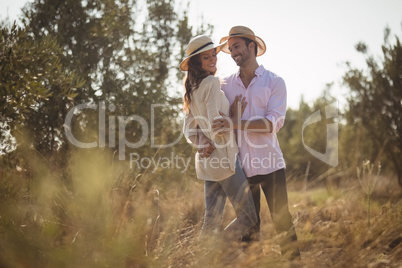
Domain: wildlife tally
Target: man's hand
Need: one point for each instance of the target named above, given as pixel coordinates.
(226, 123)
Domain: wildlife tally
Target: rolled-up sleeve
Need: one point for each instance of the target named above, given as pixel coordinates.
(276, 109)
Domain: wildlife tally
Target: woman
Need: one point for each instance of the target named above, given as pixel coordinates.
(221, 171)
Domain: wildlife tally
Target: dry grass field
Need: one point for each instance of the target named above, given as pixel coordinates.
(109, 216)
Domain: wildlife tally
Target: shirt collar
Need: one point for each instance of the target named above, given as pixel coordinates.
(258, 72)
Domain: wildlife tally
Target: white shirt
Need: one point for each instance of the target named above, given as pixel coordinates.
(266, 98)
(206, 102)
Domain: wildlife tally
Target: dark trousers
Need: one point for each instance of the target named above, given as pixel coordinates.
(275, 191)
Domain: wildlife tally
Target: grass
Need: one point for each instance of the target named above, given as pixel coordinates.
(110, 216)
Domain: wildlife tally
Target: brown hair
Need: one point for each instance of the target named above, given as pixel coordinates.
(195, 75)
(248, 41)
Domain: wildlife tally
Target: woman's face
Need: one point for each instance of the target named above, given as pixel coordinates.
(208, 60)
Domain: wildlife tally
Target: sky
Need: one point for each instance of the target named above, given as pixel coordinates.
(308, 41)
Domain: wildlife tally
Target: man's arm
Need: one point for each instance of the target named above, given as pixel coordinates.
(234, 122)
(262, 125)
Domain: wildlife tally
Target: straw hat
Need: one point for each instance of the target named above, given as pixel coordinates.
(242, 31)
(196, 46)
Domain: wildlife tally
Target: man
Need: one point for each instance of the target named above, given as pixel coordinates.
(264, 115)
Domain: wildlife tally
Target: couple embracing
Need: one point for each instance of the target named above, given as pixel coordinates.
(234, 122)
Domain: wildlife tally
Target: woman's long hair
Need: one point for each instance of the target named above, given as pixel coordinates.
(193, 79)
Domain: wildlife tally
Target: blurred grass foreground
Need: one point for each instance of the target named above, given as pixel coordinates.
(110, 216)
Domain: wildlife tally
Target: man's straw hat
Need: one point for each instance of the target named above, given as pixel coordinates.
(196, 46)
(242, 31)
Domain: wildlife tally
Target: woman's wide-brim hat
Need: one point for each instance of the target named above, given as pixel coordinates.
(242, 31)
(196, 46)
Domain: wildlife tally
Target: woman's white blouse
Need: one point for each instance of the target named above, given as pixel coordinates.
(206, 102)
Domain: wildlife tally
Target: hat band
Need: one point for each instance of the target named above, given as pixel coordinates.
(235, 34)
(201, 47)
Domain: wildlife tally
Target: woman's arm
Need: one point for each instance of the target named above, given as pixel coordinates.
(195, 136)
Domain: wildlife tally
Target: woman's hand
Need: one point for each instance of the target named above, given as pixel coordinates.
(225, 123)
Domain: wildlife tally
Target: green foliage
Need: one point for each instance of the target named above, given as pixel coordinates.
(121, 53)
(290, 139)
(31, 75)
(370, 128)
(298, 159)
(92, 34)
(375, 107)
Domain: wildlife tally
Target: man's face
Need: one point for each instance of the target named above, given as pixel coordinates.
(238, 50)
